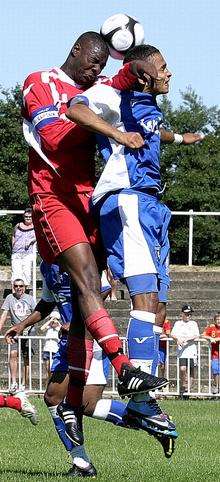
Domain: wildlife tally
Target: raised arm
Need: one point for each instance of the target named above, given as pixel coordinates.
(169, 137)
(42, 310)
(82, 115)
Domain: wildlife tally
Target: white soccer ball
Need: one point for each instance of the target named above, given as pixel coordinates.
(121, 33)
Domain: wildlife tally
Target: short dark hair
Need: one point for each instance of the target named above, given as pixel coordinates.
(140, 52)
(92, 37)
(18, 279)
(28, 211)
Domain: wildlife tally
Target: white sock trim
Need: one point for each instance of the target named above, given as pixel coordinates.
(102, 409)
(53, 411)
(143, 315)
(158, 329)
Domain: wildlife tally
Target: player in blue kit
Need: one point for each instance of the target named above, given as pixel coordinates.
(127, 199)
(56, 292)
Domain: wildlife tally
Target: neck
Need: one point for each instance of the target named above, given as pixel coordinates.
(67, 68)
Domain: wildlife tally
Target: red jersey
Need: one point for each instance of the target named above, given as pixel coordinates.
(61, 156)
(166, 331)
(214, 332)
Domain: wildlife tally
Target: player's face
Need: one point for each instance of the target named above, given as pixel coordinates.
(161, 84)
(89, 61)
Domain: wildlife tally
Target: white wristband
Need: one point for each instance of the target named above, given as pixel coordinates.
(178, 139)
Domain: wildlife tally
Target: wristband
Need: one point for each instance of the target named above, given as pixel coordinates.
(178, 139)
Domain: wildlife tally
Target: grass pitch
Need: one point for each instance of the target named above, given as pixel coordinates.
(35, 454)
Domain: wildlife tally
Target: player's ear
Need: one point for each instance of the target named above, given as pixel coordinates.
(76, 50)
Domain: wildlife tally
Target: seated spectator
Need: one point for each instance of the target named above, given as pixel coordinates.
(185, 332)
(23, 240)
(163, 347)
(52, 327)
(212, 334)
(19, 305)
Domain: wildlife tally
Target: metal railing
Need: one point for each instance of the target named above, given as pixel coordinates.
(202, 385)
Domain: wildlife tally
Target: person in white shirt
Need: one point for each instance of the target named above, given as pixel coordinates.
(52, 327)
(185, 332)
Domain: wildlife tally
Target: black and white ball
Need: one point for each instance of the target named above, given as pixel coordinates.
(121, 33)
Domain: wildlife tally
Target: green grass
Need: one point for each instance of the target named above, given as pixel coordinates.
(35, 454)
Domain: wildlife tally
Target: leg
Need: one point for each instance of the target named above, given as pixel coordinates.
(13, 364)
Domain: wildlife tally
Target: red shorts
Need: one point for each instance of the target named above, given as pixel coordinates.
(62, 221)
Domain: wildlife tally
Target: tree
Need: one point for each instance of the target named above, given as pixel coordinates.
(13, 165)
(192, 177)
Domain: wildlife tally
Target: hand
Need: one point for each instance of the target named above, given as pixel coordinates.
(144, 70)
(12, 334)
(133, 140)
(190, 138)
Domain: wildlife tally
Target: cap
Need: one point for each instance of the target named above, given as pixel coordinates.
(187, 309)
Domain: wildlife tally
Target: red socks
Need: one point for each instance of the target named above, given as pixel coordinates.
(80, 353)
(102, 328)
(10, 402)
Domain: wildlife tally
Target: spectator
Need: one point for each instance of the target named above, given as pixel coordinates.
(185, 332)
(212, 334)
(52, 327)
(19, 305)
(23, 240)
(163, 346)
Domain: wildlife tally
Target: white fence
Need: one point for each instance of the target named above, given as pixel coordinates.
(201, 387)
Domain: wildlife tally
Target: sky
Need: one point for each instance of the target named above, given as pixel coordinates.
(39, 34)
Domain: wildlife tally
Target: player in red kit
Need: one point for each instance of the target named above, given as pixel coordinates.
(61, 178)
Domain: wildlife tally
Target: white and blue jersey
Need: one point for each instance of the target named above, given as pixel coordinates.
(132, 112)
(56, 288)
(126, 194)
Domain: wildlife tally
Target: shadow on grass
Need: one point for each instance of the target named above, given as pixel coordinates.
(32, 472)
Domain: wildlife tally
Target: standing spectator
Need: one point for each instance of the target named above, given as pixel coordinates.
(19, 305)
(23, 240)
(52, 327)
(163, 346)
(212, 333)
(185, 332)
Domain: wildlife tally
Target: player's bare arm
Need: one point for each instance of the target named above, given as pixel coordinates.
(187, 138)
(42, 310)
(86, 118)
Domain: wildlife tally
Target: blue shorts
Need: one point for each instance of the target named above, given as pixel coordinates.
(99, 369)
(216, 366)
(60, 363)
(137, 244)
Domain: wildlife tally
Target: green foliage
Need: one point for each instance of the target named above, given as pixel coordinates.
(191, 174)
(192, 178)
(13, 165)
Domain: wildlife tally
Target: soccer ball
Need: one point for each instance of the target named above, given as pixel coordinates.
(121, 32)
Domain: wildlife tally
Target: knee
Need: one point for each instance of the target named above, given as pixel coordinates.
(161, 314)
(51, 399)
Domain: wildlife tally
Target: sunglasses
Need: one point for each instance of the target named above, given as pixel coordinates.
(18, 286)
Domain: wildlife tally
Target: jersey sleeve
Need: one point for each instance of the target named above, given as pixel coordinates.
(123, 80)
(100, 98)
(174, 331)
(6, 304)
(41, 109)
